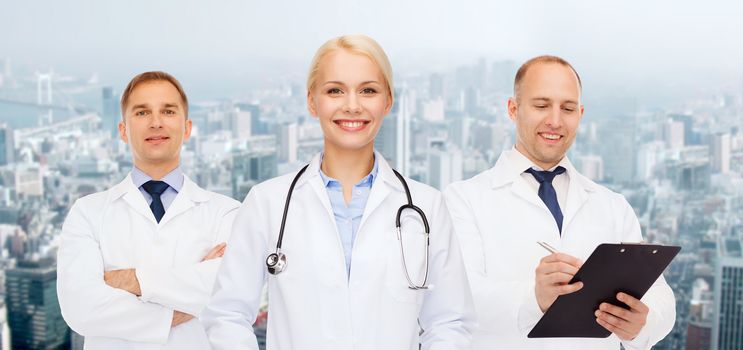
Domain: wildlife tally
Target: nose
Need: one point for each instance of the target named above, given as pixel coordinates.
(156, 121)
(554, 119)
(352, 105)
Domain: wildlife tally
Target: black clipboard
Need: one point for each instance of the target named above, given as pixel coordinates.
(611, 268)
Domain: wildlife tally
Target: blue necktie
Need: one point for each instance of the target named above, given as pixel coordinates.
(155, 189)
(547, 191)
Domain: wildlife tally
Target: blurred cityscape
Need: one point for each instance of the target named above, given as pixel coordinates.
(680, 167)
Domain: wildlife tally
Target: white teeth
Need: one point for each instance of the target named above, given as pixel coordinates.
(551, 136)
(351, 124)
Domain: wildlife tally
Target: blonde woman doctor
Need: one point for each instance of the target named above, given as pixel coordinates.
(341, 278)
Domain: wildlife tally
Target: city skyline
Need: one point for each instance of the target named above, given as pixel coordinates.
(662, 86)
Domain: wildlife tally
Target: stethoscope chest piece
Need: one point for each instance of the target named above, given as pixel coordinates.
(276, 263)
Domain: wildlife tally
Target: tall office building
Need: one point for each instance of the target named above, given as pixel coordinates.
(618, 148)
(687, 120)
(402, 135)
(591, 166)
(288, 142)
(7, 145)
(727, 330)
(719, 150)
(4, 330)
(386, 140)
(111, 111)
(34, 316)
(674, 134)
(250, 167)
(393, 139)
(435, 86)
(433, 110)
(241, 123)
(257, 127)
(445, 165)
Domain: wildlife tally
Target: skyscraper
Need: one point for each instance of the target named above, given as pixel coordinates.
(111, 113)
(674, 134)
(386, 140)
(720, 153)
(7, 145)
(250, 167)
(288, 142)
(256, 126)
(618, 148)
(241, 123)
(33, 309)
(444, 165)
(727, 330)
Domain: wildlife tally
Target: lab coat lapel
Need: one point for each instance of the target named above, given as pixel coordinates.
(578, 190)
(186, 199)
(134, 198)
(386, 180)
(312, 175)
(504, 173)
(336, 266)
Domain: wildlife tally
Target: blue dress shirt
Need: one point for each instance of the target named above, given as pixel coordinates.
(174, 179)
(348, 217)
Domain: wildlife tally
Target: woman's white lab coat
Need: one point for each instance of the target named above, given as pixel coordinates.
(313, 304)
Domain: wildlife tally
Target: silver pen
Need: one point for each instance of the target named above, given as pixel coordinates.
(549, 248)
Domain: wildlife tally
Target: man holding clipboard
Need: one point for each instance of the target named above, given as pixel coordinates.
(534, 194)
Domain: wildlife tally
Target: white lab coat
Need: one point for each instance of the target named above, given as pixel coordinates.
(115, 229)
(313, 304)
(498, 219)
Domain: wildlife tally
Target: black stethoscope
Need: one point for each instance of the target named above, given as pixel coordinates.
(276, 261)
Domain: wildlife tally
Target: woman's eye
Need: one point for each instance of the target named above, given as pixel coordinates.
(368, 91)
(334, 91)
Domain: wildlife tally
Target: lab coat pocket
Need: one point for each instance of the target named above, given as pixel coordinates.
(406, 261)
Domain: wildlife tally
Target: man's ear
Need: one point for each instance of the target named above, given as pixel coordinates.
(513, 108)
(122, 131)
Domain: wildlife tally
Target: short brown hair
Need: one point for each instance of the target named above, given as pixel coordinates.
(152, 76)
(540, 59)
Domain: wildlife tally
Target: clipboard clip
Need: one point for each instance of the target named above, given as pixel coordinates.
(640, 242)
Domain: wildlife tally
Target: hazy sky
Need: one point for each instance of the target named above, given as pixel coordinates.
(627, 45)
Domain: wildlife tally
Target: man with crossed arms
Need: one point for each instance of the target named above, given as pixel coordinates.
(533, 193)
(137, 262)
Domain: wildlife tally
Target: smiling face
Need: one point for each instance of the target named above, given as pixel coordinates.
(350, 99)
(547, 111)
(155, 126)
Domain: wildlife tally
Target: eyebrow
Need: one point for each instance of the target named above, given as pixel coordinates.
(141, 105)
(342, 83)
(146, 106)
(545, 99)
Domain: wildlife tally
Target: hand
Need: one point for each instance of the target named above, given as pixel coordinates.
(124, 279)
(179, 318)
(216, 252)
(552, 277)
(626, 324)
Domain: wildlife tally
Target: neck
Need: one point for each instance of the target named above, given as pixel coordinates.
(537, 162)
(347, 166)
(156, 171)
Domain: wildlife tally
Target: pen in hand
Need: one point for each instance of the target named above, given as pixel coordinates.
(549, 248)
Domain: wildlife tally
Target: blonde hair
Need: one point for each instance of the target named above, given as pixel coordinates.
(360, 44)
